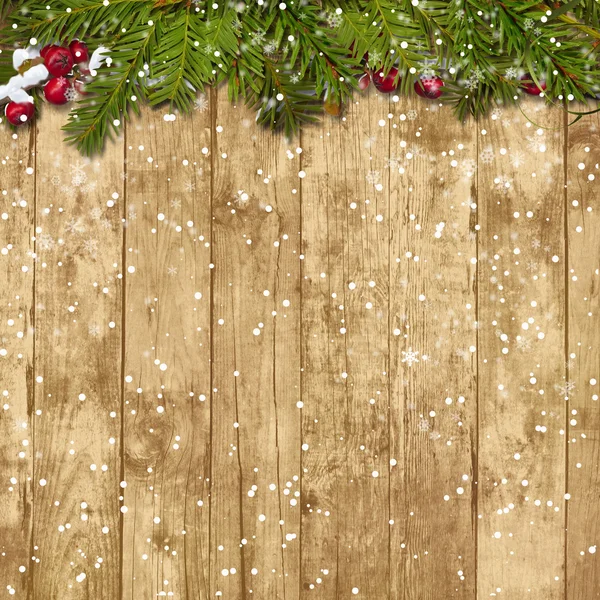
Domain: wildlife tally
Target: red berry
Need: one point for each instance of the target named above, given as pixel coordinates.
(387, 83)
(80, 85)
(84, 68)
(45, 49)
(57, 90)
(530, 87)
(363, 81)
(18, 113)
(58, 61)
(429, 87)
(79, 51)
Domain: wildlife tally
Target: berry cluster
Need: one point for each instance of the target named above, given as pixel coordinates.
(64, 82)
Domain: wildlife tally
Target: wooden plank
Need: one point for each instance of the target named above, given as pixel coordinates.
(76, 534)
(17, 256)
(345, 291)
(583, 360)
(433, 440)
(167, 357)
(521, 355)
(255, 509)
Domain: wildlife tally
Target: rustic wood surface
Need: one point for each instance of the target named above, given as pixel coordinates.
(362, 363)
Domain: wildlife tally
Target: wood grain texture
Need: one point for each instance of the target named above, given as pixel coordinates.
(521, 354)
(17, 277)
(358, 364)
(77, 431)
(345, 293)
(433, 264)
(255, 509)
(167, 371)
(583, 360)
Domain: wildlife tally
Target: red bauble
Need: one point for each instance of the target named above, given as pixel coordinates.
(18, 113)
(530, 87)
(429, 87)
(79, 51)
(387, 83)
(57, 90)
(58, 61)
(363, 81)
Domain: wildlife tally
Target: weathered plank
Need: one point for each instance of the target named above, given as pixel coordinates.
(255, 509)
(583, 360)
(17, 256)
(521, 354)
(167, 376)
(433, 368)
(78, 292)
(345, 292)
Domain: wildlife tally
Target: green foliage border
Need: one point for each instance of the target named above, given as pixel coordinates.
(287, 58)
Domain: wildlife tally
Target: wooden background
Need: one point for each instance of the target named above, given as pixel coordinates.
(363, 363)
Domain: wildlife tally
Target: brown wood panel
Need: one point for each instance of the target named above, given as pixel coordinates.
(433, 320)
(255, 505)
(167, 377)
(78, 294)
(17, 285)
(583, 360)
(521, 354)
(345, 388)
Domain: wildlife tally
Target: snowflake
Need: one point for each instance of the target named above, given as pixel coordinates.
(93, 329)
(468, 167)
(106, 224)
(295, 78)
(209, 49)
(528, 24)
(175, 203)
(517, 159)
(75, 225)
(45, 241)
(78, 175)
(502, 184)
(435, 435)
(394, 162)
(172, 271)
(531, 266)
(411, 115)
(474, 79)
(89, 187)
(241, 198)
(373, 177)
(190, 186)
(511, 73)
(96, 213)
(71, 94)
(258, 38)
(487, 156)
(334, 20)
(55, 180)
(535, 243)
(496, 113)
(566, 389)
(523, 343)
(132, 216)
(270, 48)
(537, 31)
(374, 59)
(201, 103)
(424, 424)
(410, 357)
(91, 247)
